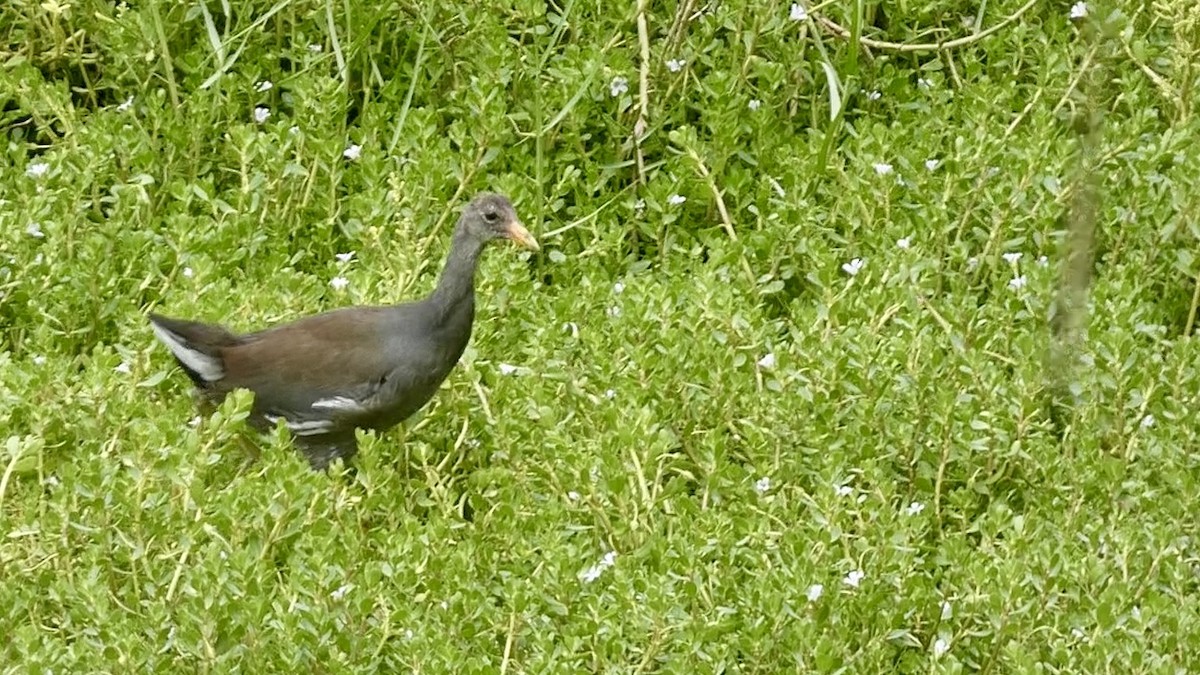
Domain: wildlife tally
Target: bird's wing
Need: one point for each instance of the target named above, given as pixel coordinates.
(328, 372)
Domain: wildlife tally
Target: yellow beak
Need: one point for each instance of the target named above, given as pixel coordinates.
(517, 232)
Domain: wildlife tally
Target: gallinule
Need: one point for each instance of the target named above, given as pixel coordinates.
(369, 367)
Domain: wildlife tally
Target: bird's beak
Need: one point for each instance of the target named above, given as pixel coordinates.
(517, 232)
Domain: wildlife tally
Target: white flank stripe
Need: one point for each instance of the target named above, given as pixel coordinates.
(337, 403)
(308, 428)
(208, 368)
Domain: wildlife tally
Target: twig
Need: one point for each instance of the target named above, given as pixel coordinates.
(926, 46)
(639, 127)
(726, 221)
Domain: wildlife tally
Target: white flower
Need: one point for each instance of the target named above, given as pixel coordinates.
(676, 200)
(344, 257)
(122, 368)
(1147, 421)
(188, 272)
(874, 96)
(1079, 10)
(940, 647)
(126, 105)
(914, 508)
(293, 130)
(972, 263)
(265, 85)
(639, 205)
(932, 164)
(762, 484)
(39, 360)
(613, 312)
(261, 114)
(609, 393)
(1017, 282)
(618, 288)
(844, 490)
(573, 496)
(767, 362)
(315, 48)
(854, 266)
(352, 152)
(507, 369)
(854, 578)
(924, 83)
(882, 168)
(798, 12)
(676, 65)
(618, 86)
(37, 169)
(341, 591)
(593, 573)
(35, 230)
(814, 592)
(1012, 257)
(339, 283)
(903, 243)
(754, 104)
(1043, 261)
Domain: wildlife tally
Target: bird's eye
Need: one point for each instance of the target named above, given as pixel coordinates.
(491, 216)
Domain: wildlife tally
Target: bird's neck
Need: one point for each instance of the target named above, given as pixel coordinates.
(456, 286)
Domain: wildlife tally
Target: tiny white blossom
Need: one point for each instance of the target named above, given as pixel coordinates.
(613, 312)
(882, 168)
(903, 243)
(1079, 10)
(341, 591)
(344, 257)
(767, 362)
(1136, 613)
(35, 230)
(339, 283)
(37, 169)
(507, 369)
(573, 496)
(352, 152)
(844, 490)
(39, 360)
(188, 272)
(854, 578)
(676, 200)
(676, 65)
(814, 592)
(194, 422)
(914, 508)
(1012, 257)
(315, 48)
(609, 393)
(762, 484)
(932, 164)
(1147, 421)
(924, 83)
(972, 263)
(593, 573)
(874, 96)
(293, 130)
(940, 647)
(265, 85)
(854, 266)
(754, 104)
(1017, 282)
(126, 105)
(618, 86)
(261, 114)
(798, 12)
(618, 288)
(122, 368)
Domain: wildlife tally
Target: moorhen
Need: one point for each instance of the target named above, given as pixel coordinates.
(369, 367)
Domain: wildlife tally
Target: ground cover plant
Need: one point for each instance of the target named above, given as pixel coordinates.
(787, 388)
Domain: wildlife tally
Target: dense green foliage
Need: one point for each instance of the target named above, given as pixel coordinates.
(800, 462)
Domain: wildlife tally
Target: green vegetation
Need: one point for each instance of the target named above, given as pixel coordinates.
(701, 385)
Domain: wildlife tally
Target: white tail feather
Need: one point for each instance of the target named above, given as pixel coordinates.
(208, 368)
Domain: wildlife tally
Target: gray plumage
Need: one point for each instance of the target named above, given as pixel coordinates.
(357, 367)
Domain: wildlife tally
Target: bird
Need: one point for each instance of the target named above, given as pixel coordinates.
(370, 367)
